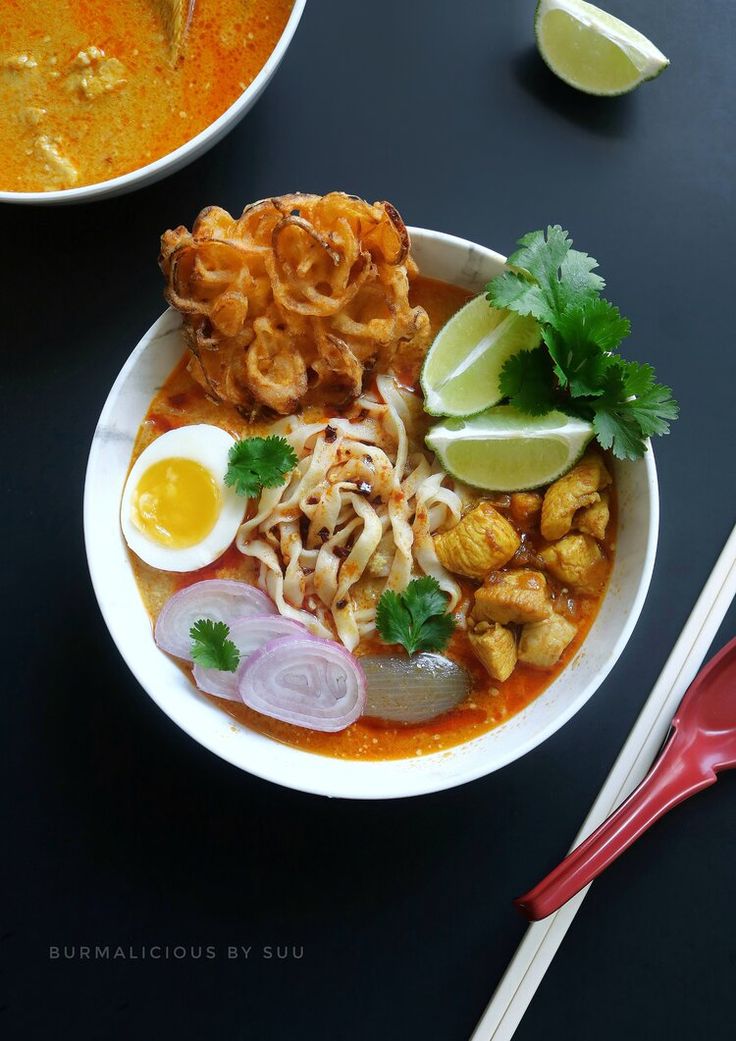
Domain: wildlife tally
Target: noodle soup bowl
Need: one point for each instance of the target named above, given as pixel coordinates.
(439, 256)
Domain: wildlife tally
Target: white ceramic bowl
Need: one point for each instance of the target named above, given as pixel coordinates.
(439, 256)
(190, 150)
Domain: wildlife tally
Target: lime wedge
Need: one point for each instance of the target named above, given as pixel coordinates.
(462, 368)
(504, 451)
(593, 51)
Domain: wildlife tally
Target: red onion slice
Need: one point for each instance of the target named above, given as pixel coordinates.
(221, 599)
(248, 635)
(306, 681)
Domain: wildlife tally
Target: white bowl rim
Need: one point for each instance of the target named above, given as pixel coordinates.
(178, 157)
(411, 785)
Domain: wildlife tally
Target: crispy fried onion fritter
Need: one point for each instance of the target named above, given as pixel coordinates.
(301, 291)
(357, 515)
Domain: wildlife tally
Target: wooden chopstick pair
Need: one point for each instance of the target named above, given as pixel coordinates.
(542, 939)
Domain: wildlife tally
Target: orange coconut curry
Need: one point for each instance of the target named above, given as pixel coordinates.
(184, 400)
(92, 90)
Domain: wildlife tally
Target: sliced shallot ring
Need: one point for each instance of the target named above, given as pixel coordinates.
(402, 234)
(305, 681)
(213, 223)
(313, 303)
(220, 599)
(248, 635)
(299, 222)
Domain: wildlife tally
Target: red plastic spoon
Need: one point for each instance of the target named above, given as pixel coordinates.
(701, 743)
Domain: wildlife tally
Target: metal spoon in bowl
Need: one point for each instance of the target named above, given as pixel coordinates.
(702, 742)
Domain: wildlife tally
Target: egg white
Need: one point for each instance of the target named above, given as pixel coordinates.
(208, 446)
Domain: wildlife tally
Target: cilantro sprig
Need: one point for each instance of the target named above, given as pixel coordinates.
(211, 647)
(576, 369)
(417, 618)
(259, 462)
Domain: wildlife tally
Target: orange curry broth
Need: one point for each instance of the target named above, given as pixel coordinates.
(152, 109)
(181, 402)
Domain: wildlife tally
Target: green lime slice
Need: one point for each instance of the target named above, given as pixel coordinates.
(593, 51)
(502, 450)
(461, 371)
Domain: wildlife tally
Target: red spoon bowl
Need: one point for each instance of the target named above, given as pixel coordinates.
(701, 743)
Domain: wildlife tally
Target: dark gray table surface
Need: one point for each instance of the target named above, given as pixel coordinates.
(119, 829)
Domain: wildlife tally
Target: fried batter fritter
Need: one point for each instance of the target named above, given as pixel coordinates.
(300, 292)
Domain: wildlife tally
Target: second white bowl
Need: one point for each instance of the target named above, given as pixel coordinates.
(185, 153)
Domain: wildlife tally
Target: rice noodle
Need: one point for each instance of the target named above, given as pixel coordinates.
(357, 516)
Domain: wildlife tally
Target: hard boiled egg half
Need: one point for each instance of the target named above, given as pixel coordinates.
(177, 513)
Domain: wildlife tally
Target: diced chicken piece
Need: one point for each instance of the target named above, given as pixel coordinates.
(578, 561)
(542, 643)
(58, 164)
(525, 508)
(481, 542)
(97, 74)
(594, 519)
(513, 596)
(20, 62)
(495, 648)
(577, 489)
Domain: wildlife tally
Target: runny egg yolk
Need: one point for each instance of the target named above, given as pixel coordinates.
(176, 503)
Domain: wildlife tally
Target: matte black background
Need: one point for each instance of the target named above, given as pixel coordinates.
(119, 829)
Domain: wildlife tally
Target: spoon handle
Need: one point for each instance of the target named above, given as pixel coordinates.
(671, 780)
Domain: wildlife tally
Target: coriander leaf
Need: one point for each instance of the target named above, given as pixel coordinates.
(637, 379)
(579, 366)
(616, 429)
(259, 462)
(391, 617)
(580, 344)
(653, 407)
(621, 421)
(416, 618)
(211, 647)
(580, 407)
(528, 381)
(596, 320)
(576, 370)
(655, 410)
(424, 598)
(545, 276)
(435, 633)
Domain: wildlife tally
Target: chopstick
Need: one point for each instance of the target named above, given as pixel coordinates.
(542, 939)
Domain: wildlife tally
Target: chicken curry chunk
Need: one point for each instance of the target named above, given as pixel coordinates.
(495, 648)
(575, 491)
(593, 520)
(513, 596)
(525, 508)
(481, 542)
(542, 643)
(577, 561)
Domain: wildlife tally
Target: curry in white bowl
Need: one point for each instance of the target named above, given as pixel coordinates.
(91, 91)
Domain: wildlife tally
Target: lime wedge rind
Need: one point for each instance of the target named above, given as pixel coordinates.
(590, 28)
(504, 451)
(460, 375)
